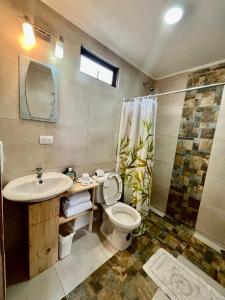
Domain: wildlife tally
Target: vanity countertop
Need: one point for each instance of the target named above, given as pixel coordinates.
(78, 187)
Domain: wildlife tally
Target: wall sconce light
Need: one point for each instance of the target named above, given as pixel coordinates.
(28, 33)
(59, 45)
(29, 37)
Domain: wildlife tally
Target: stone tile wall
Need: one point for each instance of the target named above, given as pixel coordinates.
(198, 124)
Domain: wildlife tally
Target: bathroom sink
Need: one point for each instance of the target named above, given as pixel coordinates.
(28, 188)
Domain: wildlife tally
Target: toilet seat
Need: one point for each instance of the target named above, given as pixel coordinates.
(120, 214)
(112, 188)
(124, 216)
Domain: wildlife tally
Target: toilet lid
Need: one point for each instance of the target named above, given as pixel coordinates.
(101, 179)
(112, 188)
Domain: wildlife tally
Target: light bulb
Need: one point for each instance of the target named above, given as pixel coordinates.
(173, 15)
(28, 33)
(59, 47)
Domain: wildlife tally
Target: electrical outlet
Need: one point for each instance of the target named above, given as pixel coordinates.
(46, 139)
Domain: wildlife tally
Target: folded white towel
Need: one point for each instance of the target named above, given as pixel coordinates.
(68, 204)
(77, 199)
(76, 209)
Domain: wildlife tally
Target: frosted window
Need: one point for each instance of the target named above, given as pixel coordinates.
(95, 67)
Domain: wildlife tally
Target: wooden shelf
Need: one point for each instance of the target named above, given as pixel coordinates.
(78, 187)
(63, 219)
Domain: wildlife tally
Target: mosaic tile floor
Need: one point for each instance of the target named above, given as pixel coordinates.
(122, 276)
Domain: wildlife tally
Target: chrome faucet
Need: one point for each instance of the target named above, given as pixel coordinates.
(39, 175)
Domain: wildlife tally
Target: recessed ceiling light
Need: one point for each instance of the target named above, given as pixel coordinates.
(173, 15)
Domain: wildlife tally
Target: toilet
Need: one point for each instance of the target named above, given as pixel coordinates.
(119, 219)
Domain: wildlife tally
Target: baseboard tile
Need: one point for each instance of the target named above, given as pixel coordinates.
(156, 211)
(209, 243)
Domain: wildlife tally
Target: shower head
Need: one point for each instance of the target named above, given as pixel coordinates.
(150, 86)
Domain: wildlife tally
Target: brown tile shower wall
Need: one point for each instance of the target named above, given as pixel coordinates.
(195, 139)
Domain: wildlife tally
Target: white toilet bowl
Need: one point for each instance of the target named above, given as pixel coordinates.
(119, 219)
(124, 217)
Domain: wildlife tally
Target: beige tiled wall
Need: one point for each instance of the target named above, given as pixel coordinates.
(211, 216)
(85, 135)
(167, 128)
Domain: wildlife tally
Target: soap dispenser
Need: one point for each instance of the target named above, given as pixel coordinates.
(71, 173)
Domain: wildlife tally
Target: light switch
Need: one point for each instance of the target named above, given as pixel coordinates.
(46, 139)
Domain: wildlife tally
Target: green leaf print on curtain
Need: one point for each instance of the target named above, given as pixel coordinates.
(135, 152)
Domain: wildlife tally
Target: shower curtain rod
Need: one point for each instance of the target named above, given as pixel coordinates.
(190, 89)
(181, 91)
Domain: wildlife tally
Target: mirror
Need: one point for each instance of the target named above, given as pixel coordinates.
(38, 90)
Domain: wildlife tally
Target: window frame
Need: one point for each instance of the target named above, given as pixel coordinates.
(95, 58)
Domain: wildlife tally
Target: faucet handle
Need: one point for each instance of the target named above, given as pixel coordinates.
(39, 171)
(39, 175)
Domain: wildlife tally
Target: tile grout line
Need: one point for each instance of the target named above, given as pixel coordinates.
(60, 282)
(102, 248)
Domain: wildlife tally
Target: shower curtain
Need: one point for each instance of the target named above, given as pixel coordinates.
(136, 149)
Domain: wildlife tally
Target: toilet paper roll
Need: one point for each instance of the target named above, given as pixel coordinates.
(99, 173)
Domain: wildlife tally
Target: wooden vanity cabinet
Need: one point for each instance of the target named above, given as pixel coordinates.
(43, 219)
(43, 226)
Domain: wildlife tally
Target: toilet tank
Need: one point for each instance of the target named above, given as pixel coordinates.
(99, 198)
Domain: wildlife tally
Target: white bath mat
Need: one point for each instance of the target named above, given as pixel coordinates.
(176, 280)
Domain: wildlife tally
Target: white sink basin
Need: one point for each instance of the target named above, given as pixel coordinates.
(28, 188)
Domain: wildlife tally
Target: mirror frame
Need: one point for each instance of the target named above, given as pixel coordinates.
(24, 62)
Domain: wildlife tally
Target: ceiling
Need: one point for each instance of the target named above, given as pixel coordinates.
(135, 30)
